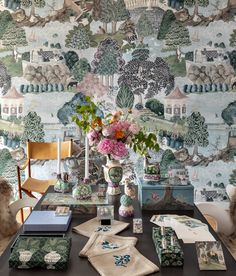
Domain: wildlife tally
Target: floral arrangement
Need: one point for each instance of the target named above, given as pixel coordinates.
(113, 134)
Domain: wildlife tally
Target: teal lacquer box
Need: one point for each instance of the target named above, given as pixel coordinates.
(169, 253)
(159, 195)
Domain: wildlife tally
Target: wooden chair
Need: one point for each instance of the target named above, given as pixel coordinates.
(15, 207)
(40, 151)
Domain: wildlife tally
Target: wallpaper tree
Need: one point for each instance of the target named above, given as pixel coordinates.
(145, 77)
(5, 78)
(5, 19)
(196, 4)
(144, 26)
(5, 156)
(125, 98)
(229, 114)
(108, 60)
(80, 69)
(155, 106)
(232, 39)
(197, 134)
(33, 128)
(33, 4)
(110, 11)
(167, 159)
(14, 37)
(79, 38)
(177, 36)
(71, 57)
(232, 177)
(8, 169)
(167, 20)
(92, 87)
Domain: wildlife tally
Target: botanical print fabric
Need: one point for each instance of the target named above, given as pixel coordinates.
(172, 61)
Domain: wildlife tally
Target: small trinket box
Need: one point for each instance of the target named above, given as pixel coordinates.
(137, 226)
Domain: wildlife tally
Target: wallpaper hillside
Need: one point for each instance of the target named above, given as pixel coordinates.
(173, 62)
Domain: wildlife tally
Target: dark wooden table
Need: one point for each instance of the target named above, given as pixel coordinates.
(81, 267)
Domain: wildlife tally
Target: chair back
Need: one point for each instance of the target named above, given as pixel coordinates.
(22, 203)
(48, 151)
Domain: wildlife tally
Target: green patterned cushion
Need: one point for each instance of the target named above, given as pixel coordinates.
(45, 252)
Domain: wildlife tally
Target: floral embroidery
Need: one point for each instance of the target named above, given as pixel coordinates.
(122, 260)
(103, 228)
(108, 245)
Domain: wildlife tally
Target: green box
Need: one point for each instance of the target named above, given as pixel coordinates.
(40, 251)
(173, 255)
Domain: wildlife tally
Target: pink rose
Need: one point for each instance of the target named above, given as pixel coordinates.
(93, 137)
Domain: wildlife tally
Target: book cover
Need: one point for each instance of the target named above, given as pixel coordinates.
(210, 255)
(47, 221)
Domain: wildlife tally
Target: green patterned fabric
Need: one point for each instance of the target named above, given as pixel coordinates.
(172, 255)
(45, 252)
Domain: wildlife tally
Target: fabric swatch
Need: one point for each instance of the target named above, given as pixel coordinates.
(94, 226)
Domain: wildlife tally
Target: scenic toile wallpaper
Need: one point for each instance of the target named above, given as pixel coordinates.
(172, 61)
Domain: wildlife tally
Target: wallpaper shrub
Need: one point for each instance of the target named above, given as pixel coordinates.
(173, 62)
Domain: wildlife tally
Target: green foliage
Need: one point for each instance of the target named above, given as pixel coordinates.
(26, 56)
(232, 58)
(71, 58)
(86, 114)
(189, 56)
(155, 106)
(178, 35)
(14, 36)
(79, 38)
(167, 159)
(167, 20)
(111, 10)
(143, 142)
(221, 45)
(33, 128)
(80, 69)
(191, 3)
(177, 68)
(5, 19)
(5, 78)
(197, 134)
(229, 113)
(144, 26)
(108, 58)
(232, 178)
(14, 68)
(125, 98)
(30, 3)
(232, 40)
(140, 54)
(5, 156)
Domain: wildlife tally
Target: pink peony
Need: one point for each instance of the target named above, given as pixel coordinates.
(105, 146)
(134, 128)
(93, 137)
(119, 150)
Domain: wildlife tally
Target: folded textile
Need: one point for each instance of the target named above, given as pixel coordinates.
(40, 251)
(94, 226)
(125, 261)
(100, 243)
